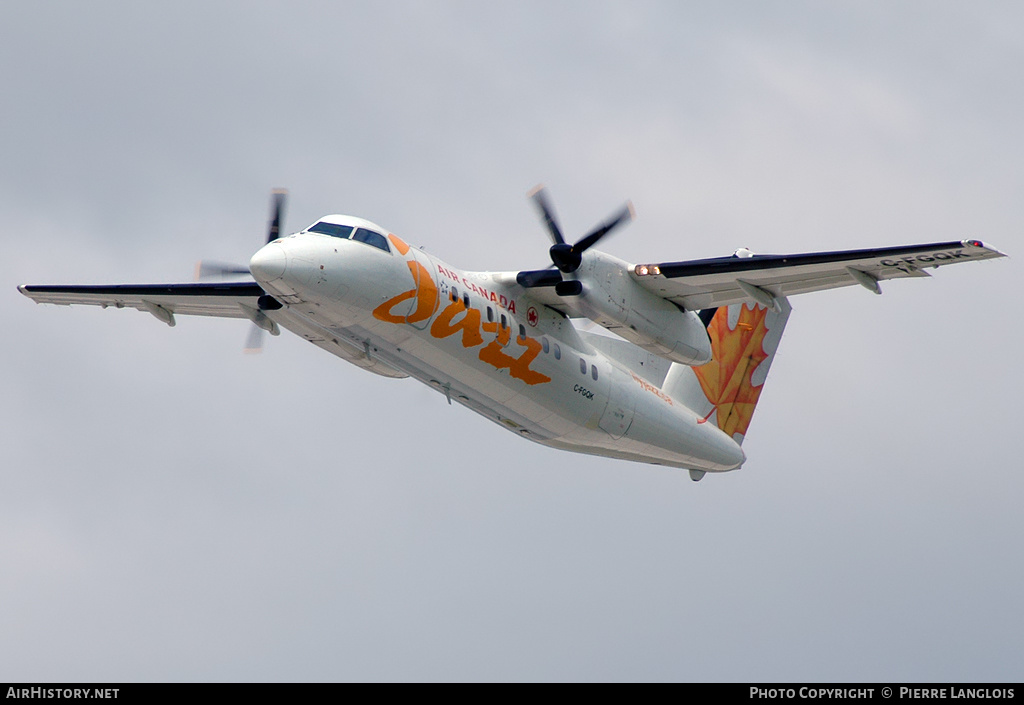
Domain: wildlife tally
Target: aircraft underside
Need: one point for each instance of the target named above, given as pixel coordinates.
(515, 412)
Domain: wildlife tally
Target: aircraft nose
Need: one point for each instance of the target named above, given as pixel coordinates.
(269, 263)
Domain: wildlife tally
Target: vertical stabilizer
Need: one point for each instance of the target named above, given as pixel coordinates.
(744, 339)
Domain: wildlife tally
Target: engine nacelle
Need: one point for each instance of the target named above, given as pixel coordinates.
(613, 300)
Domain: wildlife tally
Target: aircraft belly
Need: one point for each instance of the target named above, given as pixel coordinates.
(461, 364)
(677, 430)
(506, 395)
(644, 425)
(346, 347)
(612, 416)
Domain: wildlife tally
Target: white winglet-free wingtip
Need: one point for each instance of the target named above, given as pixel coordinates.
(983, 246)
(26, 291)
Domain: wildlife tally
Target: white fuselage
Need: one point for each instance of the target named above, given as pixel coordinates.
(484, 342)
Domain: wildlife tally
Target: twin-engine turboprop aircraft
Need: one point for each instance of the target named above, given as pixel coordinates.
(675, 385)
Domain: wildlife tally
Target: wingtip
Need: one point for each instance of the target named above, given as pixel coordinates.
(532, 193)
(983, 246)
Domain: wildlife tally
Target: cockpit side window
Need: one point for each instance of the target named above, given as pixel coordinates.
(332, 229)
(371, 238)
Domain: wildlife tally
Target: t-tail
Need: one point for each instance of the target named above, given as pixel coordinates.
(744, 339)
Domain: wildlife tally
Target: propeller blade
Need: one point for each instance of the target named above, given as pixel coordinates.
(277, 214)
(207, 269)
(539, 196)
(538, 277)
(589, 240)
(254, 343)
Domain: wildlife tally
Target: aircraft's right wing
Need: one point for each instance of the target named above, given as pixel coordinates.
(225, 300)
(720, 281)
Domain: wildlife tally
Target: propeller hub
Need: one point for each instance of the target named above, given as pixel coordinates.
(565, 257)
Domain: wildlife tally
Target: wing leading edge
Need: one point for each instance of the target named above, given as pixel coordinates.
(721, 281)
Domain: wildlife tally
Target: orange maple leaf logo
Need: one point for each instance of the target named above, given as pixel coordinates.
(736, 353)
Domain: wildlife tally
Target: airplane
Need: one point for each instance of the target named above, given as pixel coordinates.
(672, 379)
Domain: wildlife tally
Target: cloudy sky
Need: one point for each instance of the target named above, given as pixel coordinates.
(172, 509)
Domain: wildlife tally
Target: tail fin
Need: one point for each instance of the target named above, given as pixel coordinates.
(743, 344)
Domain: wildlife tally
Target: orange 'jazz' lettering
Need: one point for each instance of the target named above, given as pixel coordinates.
(468, 324)
(447, 324)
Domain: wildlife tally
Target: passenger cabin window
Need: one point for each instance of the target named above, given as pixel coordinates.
(465, 300)
(522, 331)
(490, 315)
(593, 372)
(332, 229)
(504, 322)
(558, 352)
(544, 344)
(371, 238)
(583, 366)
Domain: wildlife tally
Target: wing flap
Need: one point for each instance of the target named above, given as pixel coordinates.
(707, 283)
(223, 300)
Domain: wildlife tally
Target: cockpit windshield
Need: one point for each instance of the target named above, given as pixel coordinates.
(345, 232)
(342, 231)
(371, 238)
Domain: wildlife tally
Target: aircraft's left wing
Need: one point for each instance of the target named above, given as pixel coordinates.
(225, 300)
(721, 281)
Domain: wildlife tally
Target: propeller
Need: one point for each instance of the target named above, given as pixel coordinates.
(254, 341)
(278, 198)
(565, 257)
(208, 269)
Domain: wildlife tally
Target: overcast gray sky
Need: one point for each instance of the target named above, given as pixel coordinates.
(171, 509)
